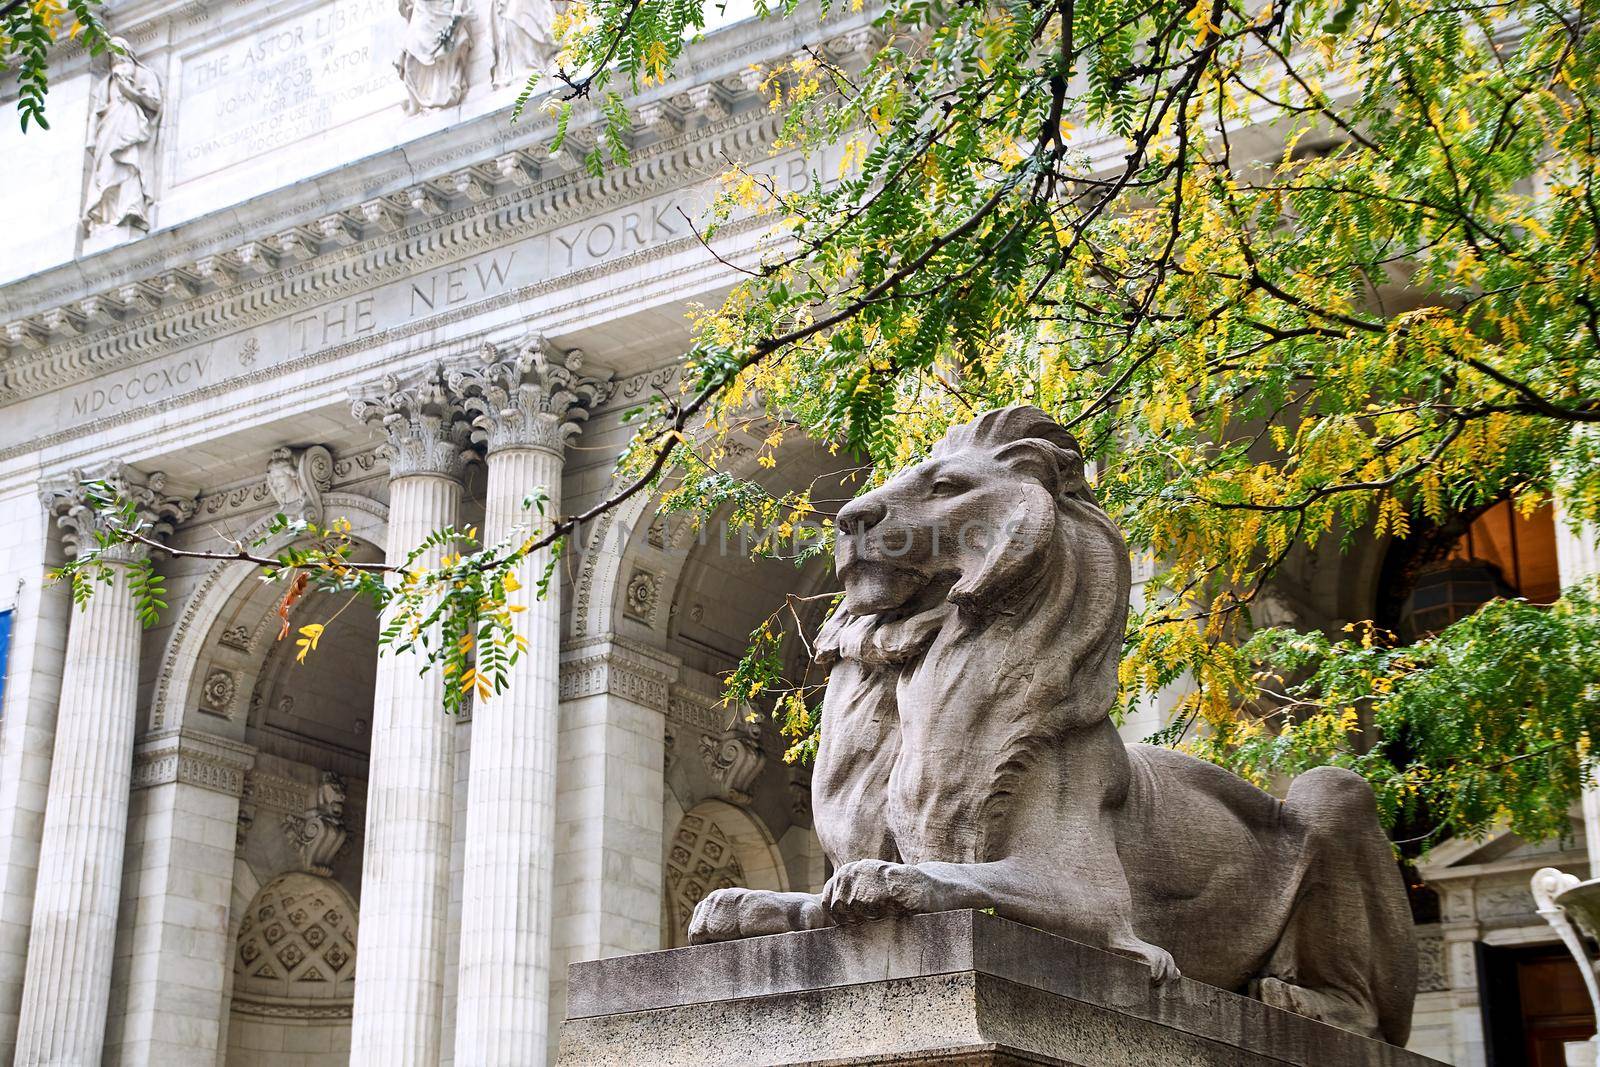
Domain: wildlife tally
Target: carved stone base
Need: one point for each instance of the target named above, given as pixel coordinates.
(957, 988)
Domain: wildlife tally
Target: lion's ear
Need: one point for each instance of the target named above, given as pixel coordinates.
(1058, 469)
(1013, 555)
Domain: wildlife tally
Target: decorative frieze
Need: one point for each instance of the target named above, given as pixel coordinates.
(698, 711)
(277, 793)
(625, 670)
(192, 758)
(208, 303)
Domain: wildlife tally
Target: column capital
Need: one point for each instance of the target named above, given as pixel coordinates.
(67, 499)
(426, 427)
(527, 394)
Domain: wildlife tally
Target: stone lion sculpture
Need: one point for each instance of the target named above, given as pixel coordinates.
(968, 758)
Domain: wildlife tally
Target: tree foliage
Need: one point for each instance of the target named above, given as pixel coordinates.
(29, 30)
(1294, 272)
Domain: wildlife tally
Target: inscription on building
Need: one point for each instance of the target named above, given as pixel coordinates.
(145, 385)
(539, 258)
(280, 84)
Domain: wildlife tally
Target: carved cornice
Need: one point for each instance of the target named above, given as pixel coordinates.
(427, 429)
(193, 758)
(239, 386)
(526, 395)
(176, 307)
(632, 672)
(67, 500)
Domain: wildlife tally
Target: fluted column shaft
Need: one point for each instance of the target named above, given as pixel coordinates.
(527, 399)
(405, 878)
(511, 796)
(68, 984)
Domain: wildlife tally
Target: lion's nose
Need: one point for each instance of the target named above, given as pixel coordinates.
(860, 515)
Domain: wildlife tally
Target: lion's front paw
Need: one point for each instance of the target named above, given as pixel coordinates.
(874, 889)
(729, 914)
(1163, 968)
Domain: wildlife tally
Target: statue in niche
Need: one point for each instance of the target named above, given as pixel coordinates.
(434, 53)
(969, 759)
(524, 39)
(126, 117)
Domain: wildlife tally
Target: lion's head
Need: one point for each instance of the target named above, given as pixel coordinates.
(968, 523)
(986, 590)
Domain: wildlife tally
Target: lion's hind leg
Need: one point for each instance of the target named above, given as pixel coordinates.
(1347, 956)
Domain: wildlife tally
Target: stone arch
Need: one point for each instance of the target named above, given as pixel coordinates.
(634, 562)
(214, 652)
(715, 845)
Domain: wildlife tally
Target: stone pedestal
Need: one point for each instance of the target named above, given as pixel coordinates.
(960, 987)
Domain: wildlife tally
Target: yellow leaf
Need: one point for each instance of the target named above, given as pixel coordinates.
(312, 634)
(511, 584)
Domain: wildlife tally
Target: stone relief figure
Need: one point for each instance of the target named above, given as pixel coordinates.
(969, 759)
(127, 112)
(297, 478)
(524, 40)
(434, 53)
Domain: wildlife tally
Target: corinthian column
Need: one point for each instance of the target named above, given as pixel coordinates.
(526, 404)
(67, 986)
(405, 878)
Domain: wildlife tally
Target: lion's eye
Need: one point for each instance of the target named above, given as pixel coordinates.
(945, 486)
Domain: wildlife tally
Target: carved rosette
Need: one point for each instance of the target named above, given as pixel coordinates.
(427, 430)
(527, 396)
(67, 500)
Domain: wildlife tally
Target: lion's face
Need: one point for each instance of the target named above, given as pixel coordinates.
(938, 525)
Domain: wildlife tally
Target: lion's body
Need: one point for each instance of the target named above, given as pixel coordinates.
(968, 760)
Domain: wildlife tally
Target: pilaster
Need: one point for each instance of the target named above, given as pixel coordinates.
(177, 888)
(67, 986)
(1577, 558)
(609, 812)
(406, 868)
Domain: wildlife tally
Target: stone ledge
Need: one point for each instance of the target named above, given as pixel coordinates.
(956, 988)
